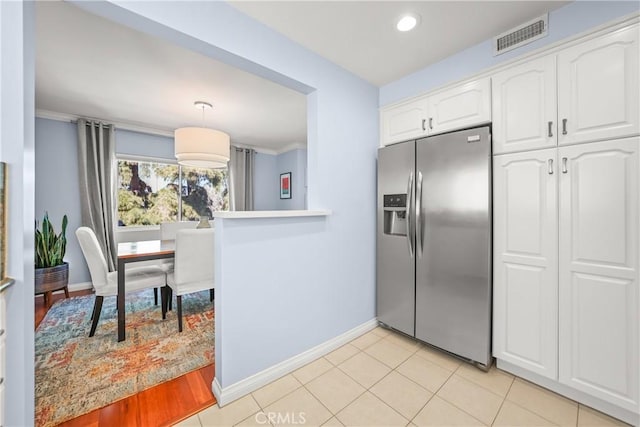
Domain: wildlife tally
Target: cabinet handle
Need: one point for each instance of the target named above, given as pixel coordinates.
(430, 122)
(550, 166)
(1, 332)
(423, 123)
(564, 165)
(550, 131)
(564, 126)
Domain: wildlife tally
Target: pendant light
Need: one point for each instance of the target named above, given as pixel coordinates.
(201, 147)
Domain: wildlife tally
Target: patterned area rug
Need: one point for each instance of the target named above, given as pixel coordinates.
(75, 374)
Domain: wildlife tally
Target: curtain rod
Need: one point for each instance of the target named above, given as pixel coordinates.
(98, 124)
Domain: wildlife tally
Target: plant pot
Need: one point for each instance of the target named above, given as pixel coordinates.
(50, 279)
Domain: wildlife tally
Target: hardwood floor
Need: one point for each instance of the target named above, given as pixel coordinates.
(162, 405)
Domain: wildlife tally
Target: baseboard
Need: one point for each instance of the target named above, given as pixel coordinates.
(80, 286)
(241, 388)
(577, 395)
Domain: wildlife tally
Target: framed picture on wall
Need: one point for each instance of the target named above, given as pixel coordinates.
(285, 185)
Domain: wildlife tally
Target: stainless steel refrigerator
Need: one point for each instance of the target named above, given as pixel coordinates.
(434, 241)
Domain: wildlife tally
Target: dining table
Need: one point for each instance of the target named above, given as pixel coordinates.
(137, 251)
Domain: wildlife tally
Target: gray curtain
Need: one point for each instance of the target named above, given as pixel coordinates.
(241, 179)
(96, 164)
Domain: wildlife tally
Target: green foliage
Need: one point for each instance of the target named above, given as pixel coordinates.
(203, 191)
(50, 247)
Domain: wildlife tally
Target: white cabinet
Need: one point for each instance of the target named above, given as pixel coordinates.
(598, 93)
(566, 285)
(585, 93)
(455, 108)
(404, 121)
(525, 106)
(525, 328)
(599, 270)
(460, 107)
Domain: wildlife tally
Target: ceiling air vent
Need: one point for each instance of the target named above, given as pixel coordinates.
(521, 35)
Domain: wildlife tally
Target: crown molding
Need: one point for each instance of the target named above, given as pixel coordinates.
(294, 146)
(64, 117)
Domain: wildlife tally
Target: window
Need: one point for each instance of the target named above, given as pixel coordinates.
(150, 193)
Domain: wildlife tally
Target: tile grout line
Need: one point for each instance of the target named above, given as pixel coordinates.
(458, 407)
(333, 364)
(504, 399)
(435, 393)
(533, 412)
(547, 390)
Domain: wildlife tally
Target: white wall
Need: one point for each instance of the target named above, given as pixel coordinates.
(17, 150)
(334, 256)
(564, 22)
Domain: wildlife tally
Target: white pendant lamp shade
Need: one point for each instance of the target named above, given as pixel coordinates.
(201, 147)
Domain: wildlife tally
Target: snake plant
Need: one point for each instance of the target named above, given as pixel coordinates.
(50, 247)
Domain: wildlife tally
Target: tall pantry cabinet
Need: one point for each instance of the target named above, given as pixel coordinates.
(566, 219)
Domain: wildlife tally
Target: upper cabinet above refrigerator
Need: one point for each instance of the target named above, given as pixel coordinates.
(403, 122)
(458, 107)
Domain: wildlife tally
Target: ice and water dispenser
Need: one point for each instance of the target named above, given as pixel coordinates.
(395, 214)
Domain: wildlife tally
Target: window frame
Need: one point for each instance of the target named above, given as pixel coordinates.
(145, 159)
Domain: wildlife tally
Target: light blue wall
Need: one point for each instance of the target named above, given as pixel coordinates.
(265, 182)
(567, 21)
(56, 154)
(17, 77)
(144, 145)
(294, 161)
(57, 187)
(335, 256)
(57, 157)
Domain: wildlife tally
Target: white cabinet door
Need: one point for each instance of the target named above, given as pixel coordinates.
(462, 106)
(525, 260)
(403, 122)
(598, 293)
(524, 106)
(598, 91)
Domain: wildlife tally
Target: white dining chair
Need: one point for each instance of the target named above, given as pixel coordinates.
(105, 282)
(168, 230)
(193, 268)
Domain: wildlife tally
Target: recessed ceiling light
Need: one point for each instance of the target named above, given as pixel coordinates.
(407, 22)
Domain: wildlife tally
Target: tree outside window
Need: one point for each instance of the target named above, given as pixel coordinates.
(150, 193)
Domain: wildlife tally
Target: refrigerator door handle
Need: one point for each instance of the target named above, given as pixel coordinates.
(419, 230)
(410, 233)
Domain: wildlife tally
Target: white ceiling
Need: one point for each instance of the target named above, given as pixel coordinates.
(91, 67)
(361, 37)
(88, 66)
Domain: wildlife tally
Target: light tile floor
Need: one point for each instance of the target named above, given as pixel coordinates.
(385, 379)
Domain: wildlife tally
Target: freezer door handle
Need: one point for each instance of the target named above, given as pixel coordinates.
(410, 229)
(419, 228)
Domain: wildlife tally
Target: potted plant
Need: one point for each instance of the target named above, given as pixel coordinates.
(52, 272)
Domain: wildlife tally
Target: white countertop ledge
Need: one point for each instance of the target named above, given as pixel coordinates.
(269, 214)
